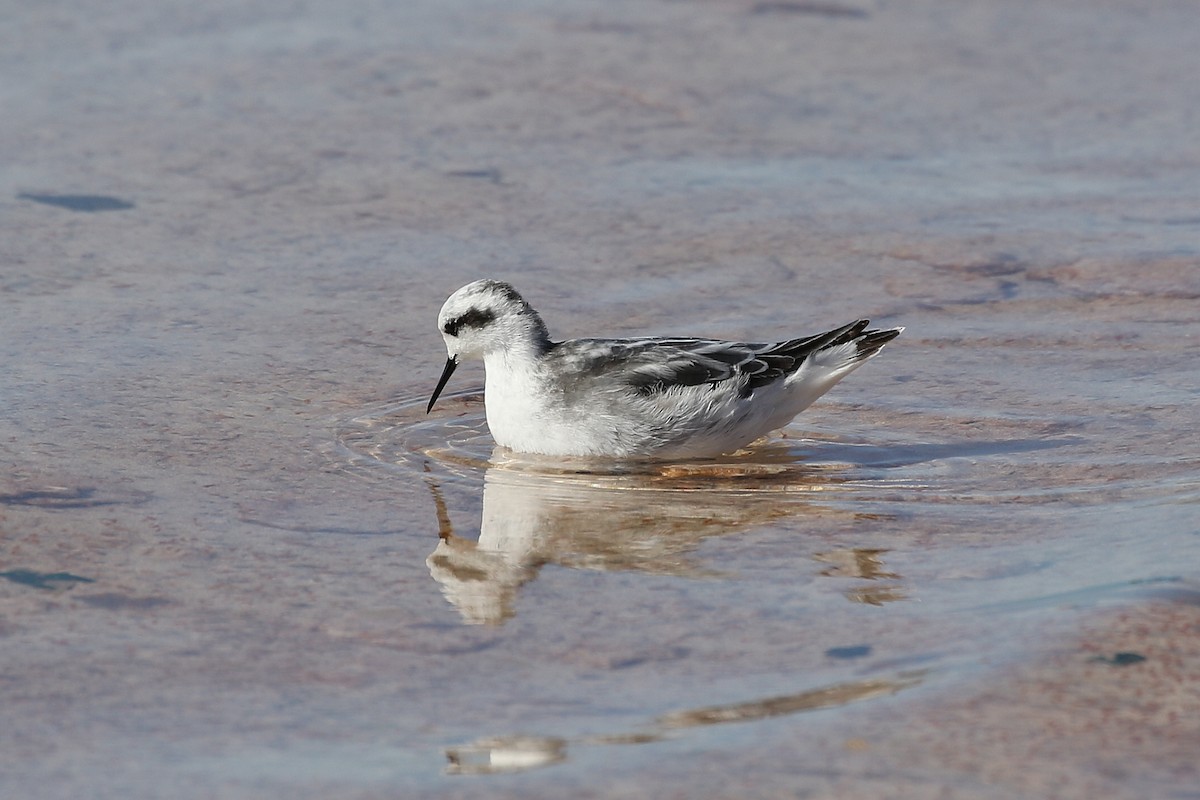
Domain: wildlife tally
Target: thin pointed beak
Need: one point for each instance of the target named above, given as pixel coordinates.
(451, 363)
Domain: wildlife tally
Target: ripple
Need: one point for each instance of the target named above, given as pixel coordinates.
(400, 437)
(916, 456)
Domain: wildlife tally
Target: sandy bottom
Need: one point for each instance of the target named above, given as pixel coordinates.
(237, 559)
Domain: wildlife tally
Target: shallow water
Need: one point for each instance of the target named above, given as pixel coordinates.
(239, 560)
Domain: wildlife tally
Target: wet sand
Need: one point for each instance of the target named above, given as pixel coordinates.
(238, 562)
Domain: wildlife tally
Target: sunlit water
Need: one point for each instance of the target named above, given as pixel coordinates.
(897, 460)
(234, 566)
(1070, 485)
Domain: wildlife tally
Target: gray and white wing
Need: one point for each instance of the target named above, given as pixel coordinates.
(655, 366)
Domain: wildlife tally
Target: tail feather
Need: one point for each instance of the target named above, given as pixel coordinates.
(841, 352)
(871, 342)
(800, 348)
(844, 350)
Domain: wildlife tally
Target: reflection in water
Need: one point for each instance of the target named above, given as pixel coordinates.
(862, 563)
(645, 523)
(855, 562)
(519, 753)
(505, 754)
(934, 458)
(838, 695)
(876, 595)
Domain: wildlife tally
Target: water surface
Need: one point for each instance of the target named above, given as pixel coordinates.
(239, 560)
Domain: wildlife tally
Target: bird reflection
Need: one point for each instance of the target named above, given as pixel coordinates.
(649, 522)
(855, 562)
(867, 564)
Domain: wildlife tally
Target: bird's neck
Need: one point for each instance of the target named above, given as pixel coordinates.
(517, 358)
(526, 348)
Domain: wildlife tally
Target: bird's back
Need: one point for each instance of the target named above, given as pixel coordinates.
(682, 397)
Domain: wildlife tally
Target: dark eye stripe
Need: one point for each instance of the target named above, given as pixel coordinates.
(475, 318)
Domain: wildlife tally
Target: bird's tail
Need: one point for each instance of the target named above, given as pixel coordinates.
(871, 342)
(843, 350)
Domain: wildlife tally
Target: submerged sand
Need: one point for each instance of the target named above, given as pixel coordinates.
(238, 562)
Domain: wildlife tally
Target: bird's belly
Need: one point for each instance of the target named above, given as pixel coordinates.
(534, 419)
(529, 419)
(520, 418)
(508, 417)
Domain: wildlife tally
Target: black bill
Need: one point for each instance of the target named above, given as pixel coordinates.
(446, 373)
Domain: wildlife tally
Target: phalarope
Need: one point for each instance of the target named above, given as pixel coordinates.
(656, 398)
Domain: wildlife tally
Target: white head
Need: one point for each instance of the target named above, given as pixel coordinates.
(486, 317)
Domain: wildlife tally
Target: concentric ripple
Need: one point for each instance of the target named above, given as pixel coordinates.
(878, 456)
(455, 441)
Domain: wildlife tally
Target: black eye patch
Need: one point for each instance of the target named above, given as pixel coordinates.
(475, 318)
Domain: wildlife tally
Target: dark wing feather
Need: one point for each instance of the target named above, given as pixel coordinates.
(666, 364)
(784, 358)
(653, 366)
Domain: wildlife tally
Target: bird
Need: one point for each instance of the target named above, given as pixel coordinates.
(660, 398)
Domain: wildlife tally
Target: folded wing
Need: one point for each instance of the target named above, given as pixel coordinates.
(654, 366)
